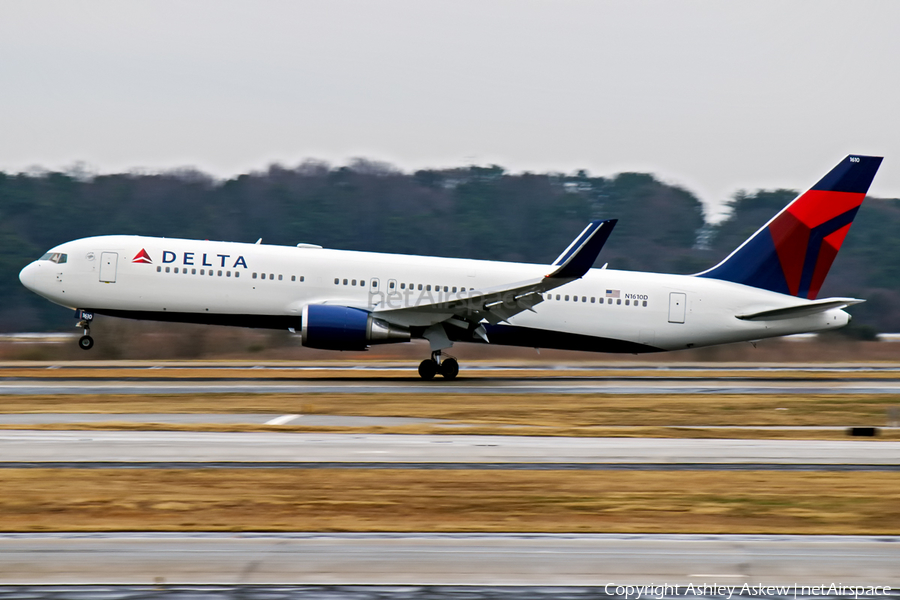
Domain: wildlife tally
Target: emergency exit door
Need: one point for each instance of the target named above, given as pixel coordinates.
(108, 263)
(677, 303)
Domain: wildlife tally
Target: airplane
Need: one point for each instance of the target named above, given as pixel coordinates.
(346, 300)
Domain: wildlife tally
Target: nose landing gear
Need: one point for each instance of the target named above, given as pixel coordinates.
(448, 367)
(85, 342)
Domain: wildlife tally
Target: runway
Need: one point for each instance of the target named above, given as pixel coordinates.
(401, 367)
(476, 378)
(448, 559)
(251, 448)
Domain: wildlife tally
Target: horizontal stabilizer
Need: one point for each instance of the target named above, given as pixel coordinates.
(579, 257)
(801, 310)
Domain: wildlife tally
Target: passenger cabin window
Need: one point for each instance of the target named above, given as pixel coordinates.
(280, 278)
(254, 276)
(293, 278)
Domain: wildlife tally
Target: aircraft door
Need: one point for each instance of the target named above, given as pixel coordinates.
(108, 263)
(677, 305)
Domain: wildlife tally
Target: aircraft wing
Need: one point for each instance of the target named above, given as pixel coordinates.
(800, 310)
(498, 304)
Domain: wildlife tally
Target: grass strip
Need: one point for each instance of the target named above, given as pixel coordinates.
(406, 500)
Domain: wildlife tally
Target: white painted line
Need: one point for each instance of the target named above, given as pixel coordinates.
(283, 419)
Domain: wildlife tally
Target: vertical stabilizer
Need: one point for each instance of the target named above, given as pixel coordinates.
(793, 252)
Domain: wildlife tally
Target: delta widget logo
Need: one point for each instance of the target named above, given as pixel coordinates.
(142, 257)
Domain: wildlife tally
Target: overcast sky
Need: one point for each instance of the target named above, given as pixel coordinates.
(715, 96)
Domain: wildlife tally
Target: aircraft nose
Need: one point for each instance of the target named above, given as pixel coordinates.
(28, 275)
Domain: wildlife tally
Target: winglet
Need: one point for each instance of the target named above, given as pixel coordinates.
(575, 261)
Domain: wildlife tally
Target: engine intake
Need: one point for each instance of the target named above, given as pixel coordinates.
(343, 328)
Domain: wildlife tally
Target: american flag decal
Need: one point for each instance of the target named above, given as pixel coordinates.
(612, 293)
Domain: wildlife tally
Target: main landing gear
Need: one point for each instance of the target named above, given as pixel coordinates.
(85, 342)
(430, 367)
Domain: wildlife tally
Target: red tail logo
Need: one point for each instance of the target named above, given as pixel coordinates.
(142, 257)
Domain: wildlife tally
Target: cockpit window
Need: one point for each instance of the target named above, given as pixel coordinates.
(56, 257)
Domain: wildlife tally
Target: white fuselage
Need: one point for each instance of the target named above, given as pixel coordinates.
(193, 278)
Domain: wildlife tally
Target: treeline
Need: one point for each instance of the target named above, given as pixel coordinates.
(476, 212)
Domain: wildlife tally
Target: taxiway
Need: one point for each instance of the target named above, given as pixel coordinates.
(442, 559)
(241, 448)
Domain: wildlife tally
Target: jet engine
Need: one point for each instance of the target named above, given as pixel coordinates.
(343, 328)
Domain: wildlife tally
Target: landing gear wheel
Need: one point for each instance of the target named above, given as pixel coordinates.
(428, 369)
(449, 368)
(86, 342)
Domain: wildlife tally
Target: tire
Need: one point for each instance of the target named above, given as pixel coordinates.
(86, 342)
(449, 368)
(428, 369)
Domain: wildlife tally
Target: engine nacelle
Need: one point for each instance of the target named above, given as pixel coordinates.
(343, 328)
